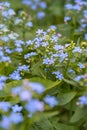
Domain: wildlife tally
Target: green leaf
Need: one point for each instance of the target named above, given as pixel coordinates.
(70, 82)
(44, 124)
(60, 126)
(65, 98)
(80, 113)
(12, 84)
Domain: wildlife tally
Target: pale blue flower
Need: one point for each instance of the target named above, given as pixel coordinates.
(39, 88)
(5, 106)
(29, 24)
(15, 75)
(51, 100)
(41, 15)
(23, 68)
(79, 77)
(58, 75)
(83, 100)
(5, 123)
(25, 95)
(16, 118)
(34, 105)
(81, 66)
(17, 108)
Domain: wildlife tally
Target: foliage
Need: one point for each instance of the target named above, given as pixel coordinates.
(43, 65)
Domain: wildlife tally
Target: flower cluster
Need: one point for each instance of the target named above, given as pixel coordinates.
(24, 94)
(46, 56)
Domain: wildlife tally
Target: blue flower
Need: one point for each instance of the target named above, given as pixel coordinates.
(15, 75)
(39, 88)
(78, 78)
(67, 18)
(40, 15)
(34, 105)
(69, 6)
(5, 106)
(23, 68)
(58, 75)
(17, 108)
(85, 36)
(26, 56)
(25, 95)
(83, 100)
(5, 123)
(16, 118)
(29, 24)
(81, 65)
(42, 5)
(2, 82)
(8, 13)
(16, 90)
(77, 49)
(51, 100)
(48, 61)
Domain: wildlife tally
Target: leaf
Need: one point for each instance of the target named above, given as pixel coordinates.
(70, 82)
(80, 113)
(60, 126)
(65, 98)
(12, 84)
(44, 124)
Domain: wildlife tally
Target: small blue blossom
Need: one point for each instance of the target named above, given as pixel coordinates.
(63, 56)
(16, 90)
(39, 88)
(85, 13)
(17, 108)
(25, 95)
(5, 59)
(5, 123)
(15, 75)
(39, 32)
(19, 43)
(85, 36)
(23, 68)
(83, 100)
(51, 100)
(5, 106)
(77, 49)
(34, 105)
(8, 13)
(40, 15)
(16, 118)
(67, 18)
(29, 24)
(18, 49)
(42, 5)
(4, 38)
(71, 71)
(48, 61)
(81, 65)
(2, 82)
(58, 75)
(26, 56)
(78, 78)
(58, 47)
(28, 43)
(8, 50)
(53, 27)
(69, 6)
